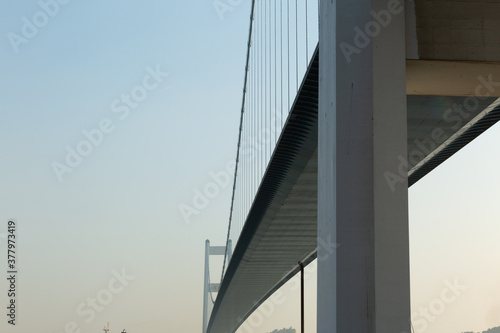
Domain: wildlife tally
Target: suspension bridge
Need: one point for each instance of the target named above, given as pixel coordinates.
(345, 105)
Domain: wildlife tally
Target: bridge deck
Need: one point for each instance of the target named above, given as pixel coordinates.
(281, 227)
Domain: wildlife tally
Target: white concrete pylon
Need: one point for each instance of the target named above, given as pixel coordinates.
(363, 286)
(209, 287)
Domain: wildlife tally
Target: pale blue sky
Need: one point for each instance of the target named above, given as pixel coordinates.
(118, 209)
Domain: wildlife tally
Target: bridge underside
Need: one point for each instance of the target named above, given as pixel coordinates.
(281, 228)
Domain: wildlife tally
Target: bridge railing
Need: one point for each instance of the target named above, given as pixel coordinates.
(282, 38)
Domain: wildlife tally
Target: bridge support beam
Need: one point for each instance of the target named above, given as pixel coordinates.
(364, 285)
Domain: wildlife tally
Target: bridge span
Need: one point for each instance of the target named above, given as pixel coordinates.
(344, 148)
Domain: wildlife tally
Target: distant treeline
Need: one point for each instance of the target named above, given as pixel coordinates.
(491, 330)
(292, 330)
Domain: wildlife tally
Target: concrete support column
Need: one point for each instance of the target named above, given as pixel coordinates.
(364, 286)
(206, 287)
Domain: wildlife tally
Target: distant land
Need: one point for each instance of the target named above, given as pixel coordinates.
(292, 330)
(491, 330)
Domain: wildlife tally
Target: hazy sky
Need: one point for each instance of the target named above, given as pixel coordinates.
(155, 88)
